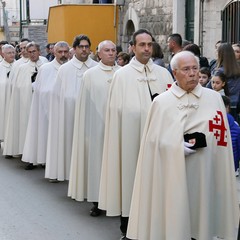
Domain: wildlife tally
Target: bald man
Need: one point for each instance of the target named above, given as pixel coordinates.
(89, 128)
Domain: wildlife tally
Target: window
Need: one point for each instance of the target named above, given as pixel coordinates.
(231, 22)
(189, 26)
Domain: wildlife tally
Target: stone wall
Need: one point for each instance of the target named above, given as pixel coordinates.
(212, 26)
(38, 34)
(156, 16)
(159, 18)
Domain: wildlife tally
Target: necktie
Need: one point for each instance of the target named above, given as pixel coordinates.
(33, 77)
(8, 74)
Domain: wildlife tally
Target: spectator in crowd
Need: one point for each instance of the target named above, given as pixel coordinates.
(174, 43)
(219, 83)
(185, 43)
(157, 55)
(123, 59)
(235, 135)
(213, 63)
(227, 63)
(119, 49)
(50, 51)
(71, 53)
(130, 49)
(204, 76)
(236, 48)
(194, 48)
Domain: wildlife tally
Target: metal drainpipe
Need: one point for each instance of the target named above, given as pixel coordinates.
(201, 25)
(20, 13)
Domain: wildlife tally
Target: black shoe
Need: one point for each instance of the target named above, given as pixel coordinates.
(30, 166)
(8, 156)
(53, 180)
(124, 238)
(95, 211)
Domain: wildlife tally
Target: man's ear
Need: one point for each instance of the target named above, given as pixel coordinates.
(134, 49)
(174, 71)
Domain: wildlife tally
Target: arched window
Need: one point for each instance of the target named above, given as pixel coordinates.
(130, 29)
(189, 26)
(231, 22)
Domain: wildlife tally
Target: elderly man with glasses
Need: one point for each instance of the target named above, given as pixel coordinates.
(185, 186)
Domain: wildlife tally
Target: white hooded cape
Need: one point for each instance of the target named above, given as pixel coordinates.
(88, 135)
(178, 197)
(35, 146)
(19, 108)
(61, 117)
(128, 104)
(5, 69)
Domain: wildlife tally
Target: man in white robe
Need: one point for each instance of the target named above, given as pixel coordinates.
(5, 69)
(62, 110)
(89, 126)
(183, 193)
(130, 97)
(35, 146)
(24, 59)
(1, 54)
(20, 102)
(14, 71)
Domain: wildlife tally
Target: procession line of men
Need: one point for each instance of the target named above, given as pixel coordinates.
(86, 120)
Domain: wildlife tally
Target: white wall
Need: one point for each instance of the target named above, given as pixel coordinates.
(12, 10)
(179, 17)
(39, 9)
(212, 26)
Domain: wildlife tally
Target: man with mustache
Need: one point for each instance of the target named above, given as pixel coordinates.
(35, 147)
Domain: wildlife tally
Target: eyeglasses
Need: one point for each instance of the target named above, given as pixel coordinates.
(83, 46)
(187, 70)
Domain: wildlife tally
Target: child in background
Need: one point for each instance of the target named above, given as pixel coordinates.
(204, 76)
(235, 135)
(219, 83)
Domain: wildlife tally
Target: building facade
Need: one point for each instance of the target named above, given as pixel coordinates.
(203, 22)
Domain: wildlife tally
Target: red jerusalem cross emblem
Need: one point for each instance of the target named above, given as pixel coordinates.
(217, 126)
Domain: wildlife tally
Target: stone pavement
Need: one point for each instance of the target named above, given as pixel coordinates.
(31, 208)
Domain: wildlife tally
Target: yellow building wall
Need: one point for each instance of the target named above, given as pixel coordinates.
(98, 22)
(2, 36)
